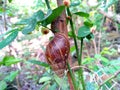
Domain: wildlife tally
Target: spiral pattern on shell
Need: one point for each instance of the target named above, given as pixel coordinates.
(57, 52)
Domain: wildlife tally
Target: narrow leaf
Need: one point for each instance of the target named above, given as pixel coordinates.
(8, 32)
(39, 63)
(9, 39)
(82, 14)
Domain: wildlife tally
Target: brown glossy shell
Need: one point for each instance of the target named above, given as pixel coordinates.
(57, 52)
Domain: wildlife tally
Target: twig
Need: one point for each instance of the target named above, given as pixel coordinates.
(95, 47)
(4, 15)
(75, 68)
(18, 84)
(111, 16)
(113, 76)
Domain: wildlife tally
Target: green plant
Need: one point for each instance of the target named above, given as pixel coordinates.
(56, 18)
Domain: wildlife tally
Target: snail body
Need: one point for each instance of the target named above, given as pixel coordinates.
(57, 52)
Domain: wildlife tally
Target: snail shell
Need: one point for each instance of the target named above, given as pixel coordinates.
(57, 52)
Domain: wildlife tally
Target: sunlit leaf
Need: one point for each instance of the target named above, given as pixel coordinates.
(9, 60)
(9, 39)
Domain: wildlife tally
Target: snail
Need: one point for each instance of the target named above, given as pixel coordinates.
(57, 52)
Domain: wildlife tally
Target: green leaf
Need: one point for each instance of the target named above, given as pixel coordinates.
(39, 63)
(70, 34)
(44, 85)
(115, 62)
(75, 3)
(88, 23)
(9, 60)
(61, 82)
(52, 15)
(12, 76)
(3, 85)
(88, 60)
(97, 56)
(49, 12)
(83, 31)
(72, 49)
(9, 39)
(82, 14)
(39, 15)
(30, 27)
(10, 1)
(90, 36)
(44, 79)
(105, 61)
(24, 21)
(53, 87)
(8, 32)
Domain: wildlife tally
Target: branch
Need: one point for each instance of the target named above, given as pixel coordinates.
(112, 77)
(111, 16)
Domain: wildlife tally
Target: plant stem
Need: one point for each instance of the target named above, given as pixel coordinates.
(72, 77)
(79, 55)
(80, 63)
(73, 32)
(47, 3)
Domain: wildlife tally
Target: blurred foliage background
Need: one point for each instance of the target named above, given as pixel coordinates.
(22, 44)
